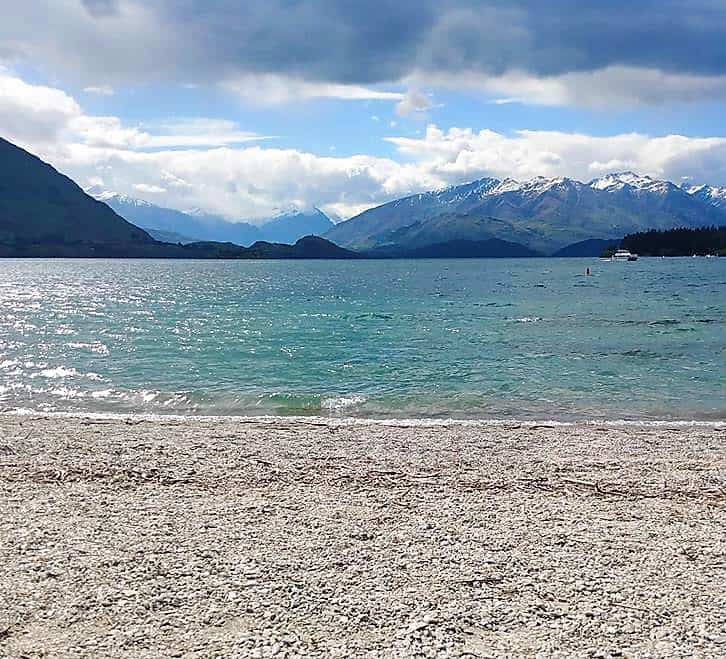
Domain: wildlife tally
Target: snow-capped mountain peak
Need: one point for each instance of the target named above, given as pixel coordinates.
(107, 195)
(541, 185)
(619, 180)
(708, 193)
(98, 192)
(543, 213)
(290, 209)
(453, 194)
(131, 201)
(635, 180)
(334, 217)
(197, 212)
(608, 182)
(506, 185)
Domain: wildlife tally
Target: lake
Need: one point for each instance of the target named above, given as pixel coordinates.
(426, 339)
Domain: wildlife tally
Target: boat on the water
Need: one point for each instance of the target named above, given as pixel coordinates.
(624, 255)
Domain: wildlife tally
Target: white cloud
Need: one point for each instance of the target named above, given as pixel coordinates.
(106, 132)
(110, 132)
(267, 89)
(200, 132)
(96, 182)
(34, 112)
(460, 154)
(242, 182)
(172, 181)
(144, 188)
(37, 114)
(101, 90)
(506, 101)
(339, 212)
(414, 103)
(200, 162)
(610, 87)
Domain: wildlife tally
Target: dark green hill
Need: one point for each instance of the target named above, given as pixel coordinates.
(473, 249)
(288, 227)
(491, 248)
(678, 242)
(170, 237)
(309, 247)
(40, 206)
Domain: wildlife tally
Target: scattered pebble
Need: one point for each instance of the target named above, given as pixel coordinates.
(224, 538)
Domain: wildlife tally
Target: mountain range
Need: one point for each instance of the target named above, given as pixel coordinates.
(45, 214)
(172, 225)
(545, 215)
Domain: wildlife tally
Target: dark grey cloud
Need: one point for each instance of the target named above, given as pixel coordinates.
(351, 42)
(687, 36)
(364, 41)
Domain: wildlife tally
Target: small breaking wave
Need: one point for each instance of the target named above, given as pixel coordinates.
(529, 319)
(97, 348)
(341, 402)
(58, 372)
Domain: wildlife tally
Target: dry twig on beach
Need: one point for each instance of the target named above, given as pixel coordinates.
(233, 538)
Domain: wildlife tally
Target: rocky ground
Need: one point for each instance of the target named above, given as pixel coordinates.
(127, 538)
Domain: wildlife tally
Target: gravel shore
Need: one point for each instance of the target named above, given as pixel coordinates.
(226, 538)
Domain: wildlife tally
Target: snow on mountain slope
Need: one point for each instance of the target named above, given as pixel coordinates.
(542, 213)
(709, 194)
(105, 196)
(638, 182)
(287, 226)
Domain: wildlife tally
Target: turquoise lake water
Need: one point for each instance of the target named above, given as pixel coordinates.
(463, 339)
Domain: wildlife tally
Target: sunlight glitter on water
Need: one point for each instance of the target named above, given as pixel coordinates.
(469, 339)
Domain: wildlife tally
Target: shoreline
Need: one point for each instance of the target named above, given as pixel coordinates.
(405, 422)
(124, 537)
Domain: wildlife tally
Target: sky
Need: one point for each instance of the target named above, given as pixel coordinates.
(247, 108)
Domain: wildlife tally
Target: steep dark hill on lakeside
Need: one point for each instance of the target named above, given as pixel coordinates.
(38, 205)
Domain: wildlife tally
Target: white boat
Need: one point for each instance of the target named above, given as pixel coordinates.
(624, 255)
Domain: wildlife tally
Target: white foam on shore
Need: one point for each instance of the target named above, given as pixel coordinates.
(357, 421)
(341, 402)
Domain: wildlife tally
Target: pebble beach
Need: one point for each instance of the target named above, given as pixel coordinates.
(140, 537)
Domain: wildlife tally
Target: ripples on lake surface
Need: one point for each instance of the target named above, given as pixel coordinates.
(468, 339)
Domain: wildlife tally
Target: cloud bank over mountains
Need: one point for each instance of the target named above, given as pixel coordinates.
(208, 164)
(563, 53)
